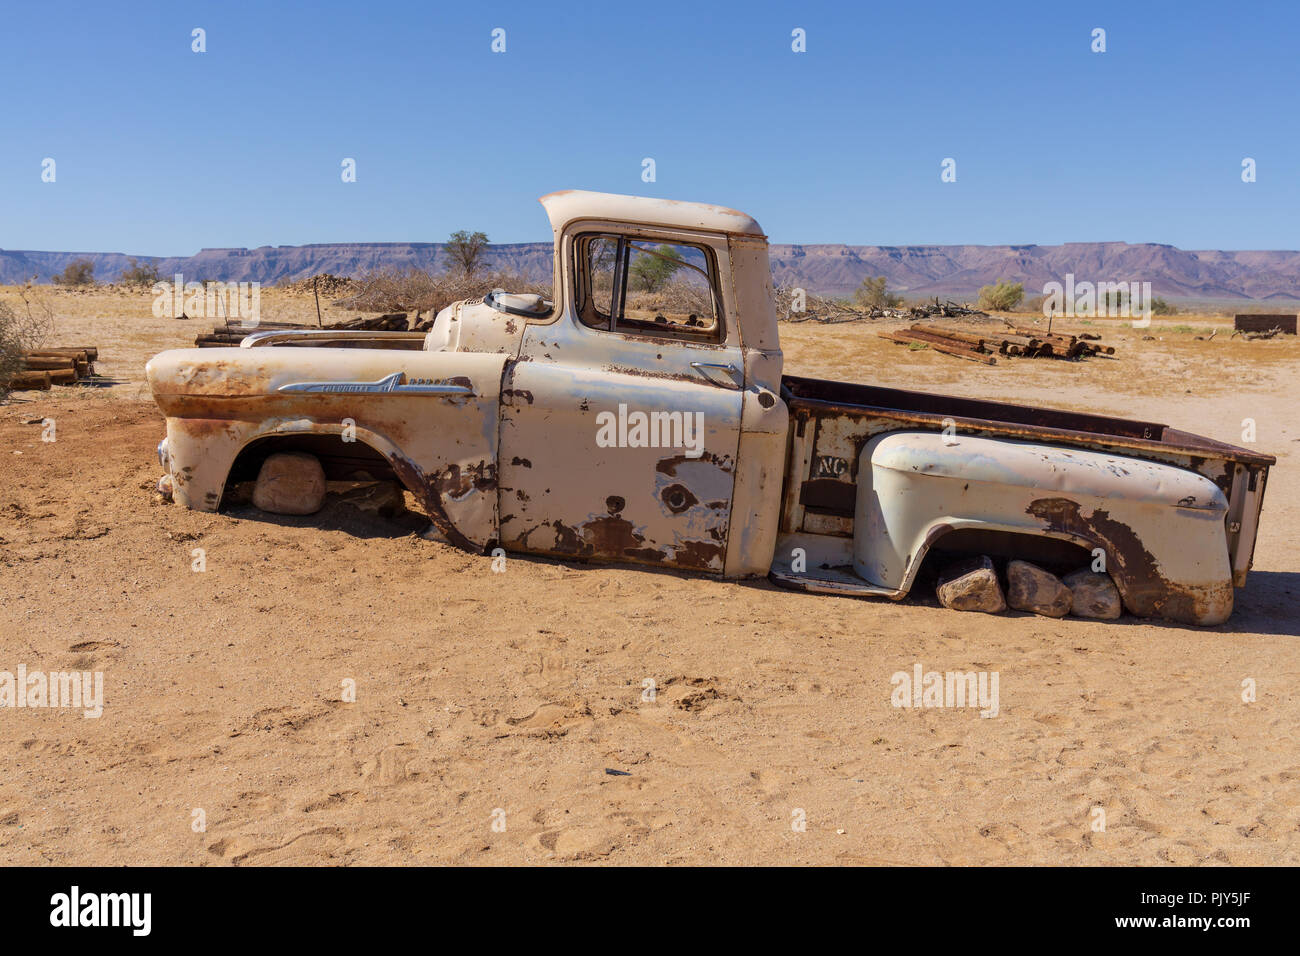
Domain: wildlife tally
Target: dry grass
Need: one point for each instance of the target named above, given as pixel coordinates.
(416, 290)
(1170, 363)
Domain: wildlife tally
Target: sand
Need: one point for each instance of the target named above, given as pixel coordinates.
(489, 707)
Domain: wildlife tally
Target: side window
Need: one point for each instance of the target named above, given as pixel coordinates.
(649, 287)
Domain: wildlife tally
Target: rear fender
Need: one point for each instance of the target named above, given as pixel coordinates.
(1160, 528)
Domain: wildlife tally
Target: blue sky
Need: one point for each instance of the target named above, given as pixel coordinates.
(161, 151)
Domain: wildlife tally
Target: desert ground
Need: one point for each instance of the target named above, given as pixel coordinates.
(489, 698)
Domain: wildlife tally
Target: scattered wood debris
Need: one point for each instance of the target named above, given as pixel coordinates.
(799, 305)
(1255, 336)
(948, 309)
(982, 346)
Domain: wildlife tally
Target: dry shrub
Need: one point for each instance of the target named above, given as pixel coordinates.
(11, 350)
(674, 296)
(816, 308)
(323, 284)
(417, 290)
(22, 329)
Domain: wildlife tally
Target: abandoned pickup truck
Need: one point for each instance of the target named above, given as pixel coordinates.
(641, 415)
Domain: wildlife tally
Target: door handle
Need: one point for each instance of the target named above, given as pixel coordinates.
(726, 367)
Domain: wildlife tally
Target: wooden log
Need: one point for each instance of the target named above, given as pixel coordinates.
(62, 376)
(956, 335)
(92, 353)
(902, 338)
(75, 355)
(968, 337)
(1025, 341)
(61, 352)
(941, 339)
(39, 381)
(214, 341)
(35, 363)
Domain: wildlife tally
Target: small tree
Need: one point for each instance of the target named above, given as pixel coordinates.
(652, 271)
(1003, 296)
(1160, 307)
(873, 294)
(77, 272)
(466, 250)
(140, 275)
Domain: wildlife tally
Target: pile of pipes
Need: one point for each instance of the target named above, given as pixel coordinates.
(983, 346)
(42, 368)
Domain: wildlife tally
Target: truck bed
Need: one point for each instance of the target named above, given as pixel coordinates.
(831, 421)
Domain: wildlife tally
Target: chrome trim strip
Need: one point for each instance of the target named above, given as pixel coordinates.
(390, 383)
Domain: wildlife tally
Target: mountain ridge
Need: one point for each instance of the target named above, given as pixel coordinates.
(914, 271)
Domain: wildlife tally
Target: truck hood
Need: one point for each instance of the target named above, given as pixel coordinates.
(473, 325)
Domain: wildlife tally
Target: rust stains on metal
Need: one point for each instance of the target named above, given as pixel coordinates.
(456, 483)
(410, 475)
(669, 466)
(700, 555)
(1146, 592)
(678, 498)
(613, 537)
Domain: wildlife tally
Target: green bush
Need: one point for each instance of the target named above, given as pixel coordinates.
(652, 271)
(1003, 296)
(872, 294)
(466, 250)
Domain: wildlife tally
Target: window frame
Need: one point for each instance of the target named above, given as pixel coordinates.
(588, 313)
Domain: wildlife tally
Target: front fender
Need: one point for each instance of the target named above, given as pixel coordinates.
(1161, 528)
(441, 445)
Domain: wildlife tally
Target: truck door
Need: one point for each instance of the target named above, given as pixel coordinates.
(621, 419)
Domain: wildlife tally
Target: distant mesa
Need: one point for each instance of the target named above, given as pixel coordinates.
(824, 269)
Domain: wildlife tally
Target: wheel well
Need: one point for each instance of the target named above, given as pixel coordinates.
(342, 461)
(1051, 554)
